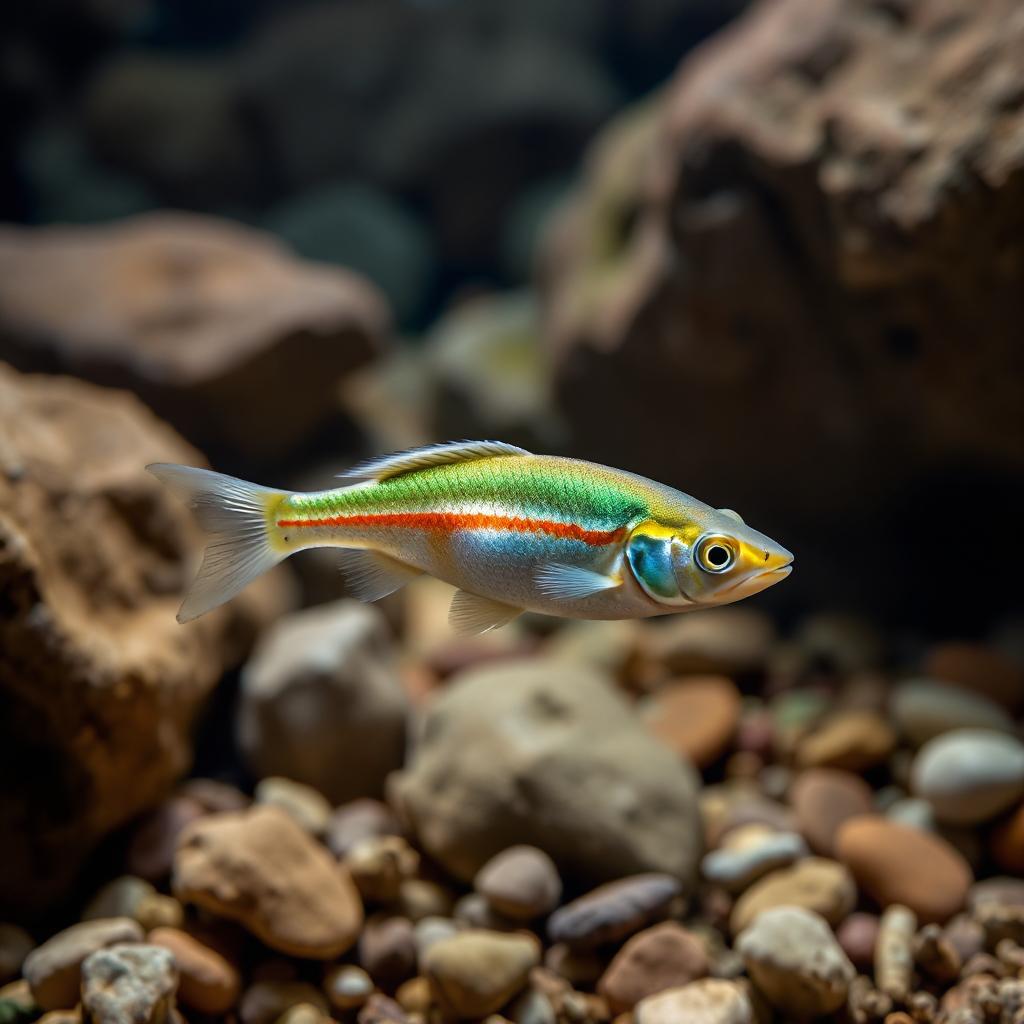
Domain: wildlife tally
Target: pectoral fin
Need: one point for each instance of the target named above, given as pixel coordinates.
(571, 582)
(369, 575)
(471, 614)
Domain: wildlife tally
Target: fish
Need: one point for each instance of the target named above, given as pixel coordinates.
(512, 531)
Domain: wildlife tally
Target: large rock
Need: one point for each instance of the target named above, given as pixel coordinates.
(820, 212)
(545, 753)
(203, 319)
(321, 702)
(99, 684)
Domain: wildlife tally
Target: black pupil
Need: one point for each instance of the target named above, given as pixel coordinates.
(717, 556)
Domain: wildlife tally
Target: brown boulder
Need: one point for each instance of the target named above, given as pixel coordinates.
(204, 319)
(99, 683)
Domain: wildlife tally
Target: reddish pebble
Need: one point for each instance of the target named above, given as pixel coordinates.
(824, 798)
(857, 935)
(696, 717)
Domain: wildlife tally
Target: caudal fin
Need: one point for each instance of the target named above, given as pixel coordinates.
(239, 516)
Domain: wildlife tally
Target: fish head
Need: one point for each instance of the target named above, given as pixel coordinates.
(713, 558)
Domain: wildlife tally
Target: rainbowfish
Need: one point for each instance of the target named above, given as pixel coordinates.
(513, 531)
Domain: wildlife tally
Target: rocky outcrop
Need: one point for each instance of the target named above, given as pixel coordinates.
(98, 682)
(803, 267)
(205, 320)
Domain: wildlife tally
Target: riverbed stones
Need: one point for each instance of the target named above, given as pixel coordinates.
(894, 863)
(795, 962)
(124, 984)
(547, 754)
(665, 956)
(822, 799)
(749, 852)
(708, 1001)
(969, 775)
(923, 709)
(696, 716)
(260, 868)
(613, 911)
(207, 981)
(476, 972)
(54, 969)
(521, 882)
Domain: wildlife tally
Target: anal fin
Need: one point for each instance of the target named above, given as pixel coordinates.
(471, 614)
(369, 575)
(571, 582)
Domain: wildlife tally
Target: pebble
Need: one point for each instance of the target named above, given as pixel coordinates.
(613, 910)
(476, 972)
(414, 996)
(966, 936)
(894, 957)
(708, 1001)
(473, 911)
(303, 1013)
(15, 945)
(379, 865)
(750, 852)
(853, 740)
(580, 967)
(265, 1002)
(207, 981)
(358, 820)
(822, 799)
(665, 956)
(308, 807)
(387, 949)
(823, 886)
(895, 863)
(429, 930)
(1006, 842)
(922, 709)
(120, 897)
(521, 882)
(348, 987)
(795, 961)
(419, 898)
(858, 935)
(54, 969)
(532, 1007)
(153, 845)
(697, 717)
(969, 775)
(379, 1009)
(978, 668)
(125, 984)
(260, 868)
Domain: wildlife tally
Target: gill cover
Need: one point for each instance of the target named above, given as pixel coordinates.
(649, 552)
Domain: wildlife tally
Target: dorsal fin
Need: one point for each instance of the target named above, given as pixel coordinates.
(433, 455)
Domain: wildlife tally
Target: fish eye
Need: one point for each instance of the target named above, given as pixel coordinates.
(716, 554)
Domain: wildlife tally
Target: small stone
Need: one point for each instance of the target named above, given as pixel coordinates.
(207, 981)
(260, 868)
(697, 717)
(358, 820)
(970, 775)
(894, 957)
(159, 911)
(429, 930)
(521, 882)
(851, 740)
(794, 960)
(978, 668)
(380, 865)
(935, 956)
(613, 911)
(348, 987)
(381, 1010)
(822, 799)
(475, 972)
(414, 996)
(15, 945)
(303, 1013)
(387, 949)
(750, 852)
(966, 936)
(858, 935)
(662, 957)
(1006, 842)
(126, 984)
(214, 796)
(151, 851)
(580, 967)
(419, 898)
(532, 1007)
(708, 1001)
(894, 863)
(54, 969)
(823, 886)
(265, 1002)
(308, 807)
(473, 911)
(120, 897)
(923, 709)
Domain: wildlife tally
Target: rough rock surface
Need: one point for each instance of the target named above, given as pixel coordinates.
(98, 682)
(200, 317)
(260, 868)
(129, 983)
(547, 754)
(829, 189)
(321, 702)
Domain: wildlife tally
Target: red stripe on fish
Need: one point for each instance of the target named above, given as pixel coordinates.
(451, 521)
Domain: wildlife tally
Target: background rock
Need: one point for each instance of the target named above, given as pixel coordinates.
(530, 752)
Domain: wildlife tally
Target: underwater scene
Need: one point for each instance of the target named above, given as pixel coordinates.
(510, 511)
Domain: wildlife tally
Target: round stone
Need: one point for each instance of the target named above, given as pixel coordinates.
(387, 949)
(853, 740)
(969, 775)
(696, 716)
(521, 882)
(379, 865)
(308, 807)
(895, 863)
(708, 1001)
(857, 935)
(748, 853)
(822, 799)
(348, 987)
(207, 981)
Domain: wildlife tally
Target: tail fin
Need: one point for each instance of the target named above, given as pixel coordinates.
(239, 515)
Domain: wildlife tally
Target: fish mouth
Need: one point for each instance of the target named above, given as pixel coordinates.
(759, 581)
